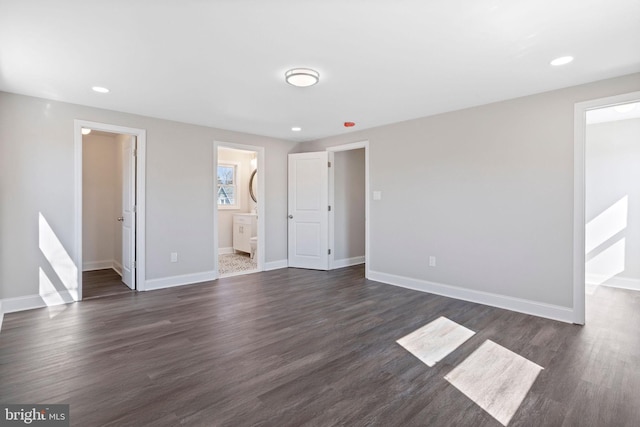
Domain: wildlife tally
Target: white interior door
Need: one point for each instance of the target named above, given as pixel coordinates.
(128, 217)
(309, 210)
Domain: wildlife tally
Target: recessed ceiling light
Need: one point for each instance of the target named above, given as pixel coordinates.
(100, 89)
(563, 60)
(86, 131)
(302, 77)
(296, 129)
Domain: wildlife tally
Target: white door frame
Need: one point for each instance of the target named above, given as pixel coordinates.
(141, 138)
(579, 216)
(347, 147)
(260, 153)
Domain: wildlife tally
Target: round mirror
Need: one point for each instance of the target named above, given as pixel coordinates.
(253, 186)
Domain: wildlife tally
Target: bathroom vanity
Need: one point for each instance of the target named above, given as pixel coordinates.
(244, 228)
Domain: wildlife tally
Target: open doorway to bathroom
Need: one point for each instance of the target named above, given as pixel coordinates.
(238, 198)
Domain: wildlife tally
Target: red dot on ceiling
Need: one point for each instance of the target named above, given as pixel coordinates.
(349, 124)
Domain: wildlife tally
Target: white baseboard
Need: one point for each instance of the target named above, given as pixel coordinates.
(347, 262)
(30, 302)
(103, 265)
(181, 280)
(97, 265)
(613, 282)
(117, 267)
(549, 311)
(225, 251)
(276, 265)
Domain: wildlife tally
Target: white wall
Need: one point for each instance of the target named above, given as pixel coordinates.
(488, 191)
(613, 202)
(37, 176)
(101, 190)
(349, 204)
(225, 216)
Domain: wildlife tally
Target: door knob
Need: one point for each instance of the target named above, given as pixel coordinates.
(290, 216)
(120, 218)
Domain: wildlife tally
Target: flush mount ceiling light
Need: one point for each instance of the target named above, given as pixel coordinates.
(302, 77)
(86, 131)
(296, 129)
(563, 60)
(100, 89)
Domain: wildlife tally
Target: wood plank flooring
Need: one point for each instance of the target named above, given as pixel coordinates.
(296, 347)
(100, 283)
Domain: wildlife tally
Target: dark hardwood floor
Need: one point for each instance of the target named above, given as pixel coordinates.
(100, 283)
(296, 347)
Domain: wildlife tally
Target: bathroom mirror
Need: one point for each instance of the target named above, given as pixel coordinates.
(253, 186)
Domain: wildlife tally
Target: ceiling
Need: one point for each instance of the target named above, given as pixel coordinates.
(221, 63)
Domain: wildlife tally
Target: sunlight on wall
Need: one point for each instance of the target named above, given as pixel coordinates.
(51, 297)
(606, 264)
(607, 224)
(60, 262)
(610, 261)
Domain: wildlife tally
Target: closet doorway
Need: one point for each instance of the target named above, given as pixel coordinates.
(109, 208)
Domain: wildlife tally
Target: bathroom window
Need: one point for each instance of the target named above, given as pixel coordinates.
(228, 197)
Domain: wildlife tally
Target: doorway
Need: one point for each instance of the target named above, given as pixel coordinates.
(328, 208)
(348, 191)
(109, 208)
(239, 206)
(606, 196)
(612, 197)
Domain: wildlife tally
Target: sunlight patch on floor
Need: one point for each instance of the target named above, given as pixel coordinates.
(496, 379)
(435, 340)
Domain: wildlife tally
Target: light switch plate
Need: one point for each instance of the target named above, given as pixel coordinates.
(377, 195)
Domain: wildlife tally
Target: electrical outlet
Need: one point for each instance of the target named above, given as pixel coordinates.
(432, 261)
(174, 256)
